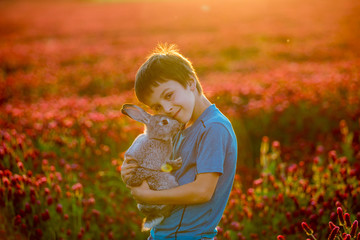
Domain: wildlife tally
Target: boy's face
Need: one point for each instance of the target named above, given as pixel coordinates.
(172, 99)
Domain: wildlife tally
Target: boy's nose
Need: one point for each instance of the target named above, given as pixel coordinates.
(167, 108)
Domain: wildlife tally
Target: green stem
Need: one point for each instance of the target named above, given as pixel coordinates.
(74, 212)
(312, 236)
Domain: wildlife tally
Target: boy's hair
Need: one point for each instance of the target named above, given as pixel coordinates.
(165, 63)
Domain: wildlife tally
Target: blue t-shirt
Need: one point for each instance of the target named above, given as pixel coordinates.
(209, 145)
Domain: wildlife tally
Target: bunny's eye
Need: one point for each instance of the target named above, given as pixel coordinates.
(156, 108)
(164, 122)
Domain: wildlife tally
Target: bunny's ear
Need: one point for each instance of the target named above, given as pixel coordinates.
(136, 113)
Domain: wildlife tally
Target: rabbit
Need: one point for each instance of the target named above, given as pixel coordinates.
(152, 150)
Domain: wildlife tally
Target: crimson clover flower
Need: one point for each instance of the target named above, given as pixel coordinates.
(331, 225)
(36, 220)
(17, 220)
(307, 229)
(333, 233)
(340, 216)
(347, 220)
(45, 215)
(38, 232)
(347, 237)
(354, 228)
(59, 208)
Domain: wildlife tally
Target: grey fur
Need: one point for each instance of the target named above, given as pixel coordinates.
(152, 150)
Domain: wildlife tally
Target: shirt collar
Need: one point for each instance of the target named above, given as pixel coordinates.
(200, 119)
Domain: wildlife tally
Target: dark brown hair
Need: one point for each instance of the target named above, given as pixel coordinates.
(165, 63)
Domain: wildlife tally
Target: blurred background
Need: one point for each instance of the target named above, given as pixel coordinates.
(286, 73)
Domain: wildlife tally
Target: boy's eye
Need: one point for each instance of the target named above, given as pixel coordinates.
(164, 122)
(168, 95)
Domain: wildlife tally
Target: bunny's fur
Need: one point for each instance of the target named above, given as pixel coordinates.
(152, 151)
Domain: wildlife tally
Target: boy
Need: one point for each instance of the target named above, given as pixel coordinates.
(207, 145)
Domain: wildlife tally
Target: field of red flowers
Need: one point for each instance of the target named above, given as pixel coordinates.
(286, 72)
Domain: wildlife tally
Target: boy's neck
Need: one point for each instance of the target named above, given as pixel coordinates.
(201, 104)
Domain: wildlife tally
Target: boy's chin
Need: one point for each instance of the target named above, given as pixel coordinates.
(182, 120)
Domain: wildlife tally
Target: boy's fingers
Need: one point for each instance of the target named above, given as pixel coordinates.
(125, 177)
(132, 164)
(128, 168)
(129, 160)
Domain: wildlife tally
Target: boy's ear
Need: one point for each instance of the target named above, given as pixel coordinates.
(136, 113)
(192, 83)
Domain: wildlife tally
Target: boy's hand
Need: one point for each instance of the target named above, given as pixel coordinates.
(128, 166)
(142, 192)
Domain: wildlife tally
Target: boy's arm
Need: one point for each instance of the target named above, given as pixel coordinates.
(199, 191)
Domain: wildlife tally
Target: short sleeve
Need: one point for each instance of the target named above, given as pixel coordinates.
(212, 149)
